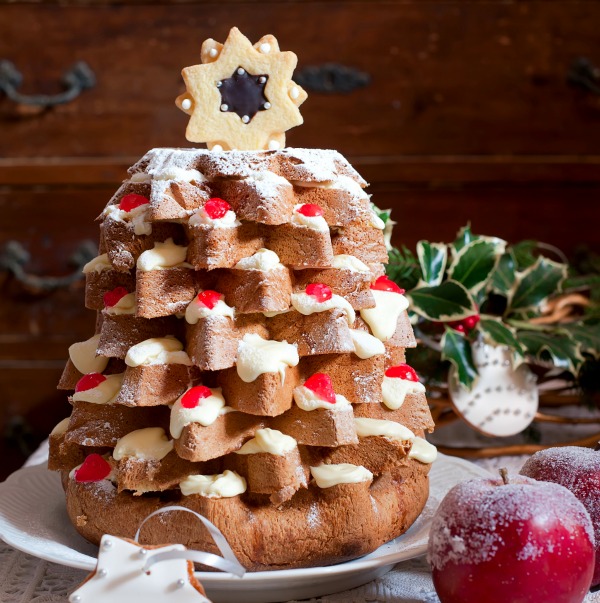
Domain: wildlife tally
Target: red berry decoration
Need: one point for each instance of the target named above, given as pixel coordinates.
(402, 371)
(89, 381)
(320, 383)
(113, 297)
(93, 469)
(470, 322)
(319, 291)
(383, 283)
(216, 208)
(310, 210)
(131, 201)
(209, 298)
(192, 397)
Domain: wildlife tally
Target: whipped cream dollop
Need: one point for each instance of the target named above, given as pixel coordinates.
(365, 344)
(395, 390)
(342, 182)
(207, 411)
(376, 221)
(313, 222)
(103, 393)
(327, 476)
(263, 259)
(163, 255)
(344, 261)
(98, 264)
(308, 400)
(61, 427)
(197, 310)
(83, 356)
(126, 305)
(380, 427)
(422, 451)
(221, 485)
(157, 350)
(138, 217)
(270, 441)
(149, 444)
(383, 318)
(309, 304)
(172, 172)
(201, 218)
(257, 356)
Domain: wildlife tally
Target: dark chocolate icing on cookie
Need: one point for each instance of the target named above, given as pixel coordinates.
(244, 94)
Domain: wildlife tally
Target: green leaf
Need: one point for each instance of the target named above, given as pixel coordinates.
(474, 263)
(403, 268)
(432, 257)
(559, 348)
(464, 237)
(503, 278)
(457, 350)
(523, 254)
(496, 332)
(447, 301)
(536, 284)
(383, 214)
(588, 337)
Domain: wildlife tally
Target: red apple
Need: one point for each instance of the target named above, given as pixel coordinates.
(517, 539)
(577, 469)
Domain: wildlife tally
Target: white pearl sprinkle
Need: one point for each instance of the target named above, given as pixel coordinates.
(186, 104)
(294, 93)
(102, 573)
(217, 147)
(219, 84)
(224, 107)
(107, 544)
(76, 599)
(213, 52)
(143, 552)
(245, 119)
(262, 79)
(267, 105)
(241, 71)
(265, 48)
(273, 145)
(180, 583)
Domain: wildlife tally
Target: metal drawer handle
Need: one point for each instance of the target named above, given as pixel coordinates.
(14, 257)
(331, 78)
(584, 74)
(76, 79)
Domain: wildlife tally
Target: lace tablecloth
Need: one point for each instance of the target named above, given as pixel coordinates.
(26, 579)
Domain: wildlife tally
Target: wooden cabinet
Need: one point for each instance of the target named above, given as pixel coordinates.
(466, 115)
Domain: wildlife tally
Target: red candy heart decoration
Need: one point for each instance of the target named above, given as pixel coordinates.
(93, 469)
(209, 298)
(216, 208)
(112, 298)
(383, 283)
(319, 291)
(131, 201)
(402, 371)
(192, 397)
(320, 384)
(310, 210)
(89, 381)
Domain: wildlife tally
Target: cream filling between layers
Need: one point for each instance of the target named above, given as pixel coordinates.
(83, 356)
(61, 428)
(221, 485)
(379, 427)
(307, 304)
(103, 393)
(149, 444)
(126, 305)
(162, 256)
(344, 261)
(201, 218)
(383, 318)
(205, 413)
(263, 259)
(196, 310)
(365, 344)
(395, 390)
(327, 476)
(137, 217)
(344, 183)
(98, 264)
(257, 356)
(308, 400)
(158, 350)
(270, 441)
(421, 450)
(317, 223)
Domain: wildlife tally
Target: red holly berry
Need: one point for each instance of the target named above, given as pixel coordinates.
(310, 210)
(320, 383)
(216, 208)
(402, 371)
(319, 291)
(470, 322)
(89, 381)
(209, 298)
(465, 325)
(93, 469)
(131, 201)
(112, 298)
(383, 283)
(192, 397)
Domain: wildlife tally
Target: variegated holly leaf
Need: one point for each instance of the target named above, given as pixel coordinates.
(559, 348)
(523, 253)
(503, 278)
(464, 237)
(474, 264)
(445, 302)
(587, 335)
(496, 332)
(403, 268)
(536, 284)
(432, 257)
(457, 350)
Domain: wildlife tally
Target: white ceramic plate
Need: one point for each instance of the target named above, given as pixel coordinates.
(33, 519)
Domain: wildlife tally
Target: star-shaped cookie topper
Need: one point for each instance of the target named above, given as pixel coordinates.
(242, 96)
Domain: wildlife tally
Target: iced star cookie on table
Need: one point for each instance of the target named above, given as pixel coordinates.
(242, 95)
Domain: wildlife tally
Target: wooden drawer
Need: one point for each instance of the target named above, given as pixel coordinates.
(447, 78)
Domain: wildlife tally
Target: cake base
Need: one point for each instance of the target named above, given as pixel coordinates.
(317, 527)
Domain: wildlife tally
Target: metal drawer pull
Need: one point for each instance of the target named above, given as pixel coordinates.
(584, 74)
(14, 257)
(331, 78)
(78, 78)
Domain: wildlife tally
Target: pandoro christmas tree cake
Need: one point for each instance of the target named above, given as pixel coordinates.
(248, 359)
